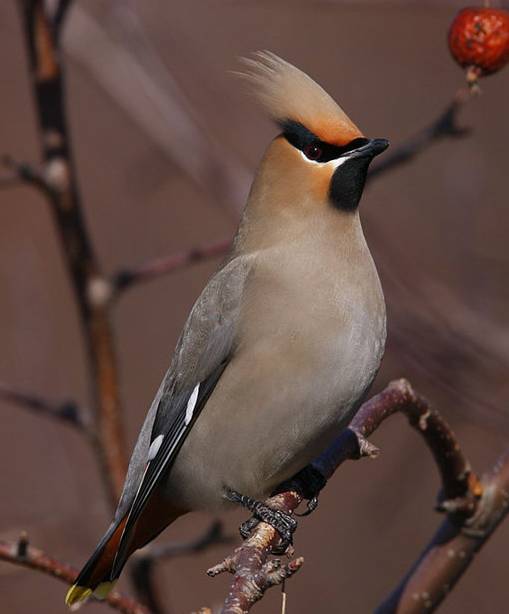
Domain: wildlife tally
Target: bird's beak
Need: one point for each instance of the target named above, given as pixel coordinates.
(370, 149)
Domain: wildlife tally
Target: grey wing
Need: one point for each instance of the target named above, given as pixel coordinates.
(202, 353)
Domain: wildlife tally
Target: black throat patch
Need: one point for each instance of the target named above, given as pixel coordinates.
(347, 183)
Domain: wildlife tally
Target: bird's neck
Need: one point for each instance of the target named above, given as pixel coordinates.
(263, 227)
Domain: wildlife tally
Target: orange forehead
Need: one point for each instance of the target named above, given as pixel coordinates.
(334, 131)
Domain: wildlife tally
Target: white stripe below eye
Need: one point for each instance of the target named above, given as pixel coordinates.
(191, 404)
(339, 161)
(154, 447)
(333, 163)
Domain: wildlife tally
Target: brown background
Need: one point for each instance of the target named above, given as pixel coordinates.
(438, 231)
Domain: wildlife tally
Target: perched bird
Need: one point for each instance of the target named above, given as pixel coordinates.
(282, 344)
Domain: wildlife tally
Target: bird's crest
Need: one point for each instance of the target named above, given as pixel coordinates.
(288, 94)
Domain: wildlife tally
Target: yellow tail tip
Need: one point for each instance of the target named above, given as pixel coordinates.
(103, 590)
(77, 596)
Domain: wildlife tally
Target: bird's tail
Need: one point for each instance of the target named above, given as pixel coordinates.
(95, 577)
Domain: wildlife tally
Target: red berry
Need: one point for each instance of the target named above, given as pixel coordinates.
(479, 40)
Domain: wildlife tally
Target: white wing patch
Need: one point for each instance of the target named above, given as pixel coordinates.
(191, 404)
(154, 447)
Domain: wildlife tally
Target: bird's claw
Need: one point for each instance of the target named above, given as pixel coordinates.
(282, 522)
(311, 506)
(246, 528)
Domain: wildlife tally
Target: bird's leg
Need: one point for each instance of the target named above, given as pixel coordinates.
(284, 523)
(309, 482)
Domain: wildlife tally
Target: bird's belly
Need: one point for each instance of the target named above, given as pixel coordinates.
(276, 407)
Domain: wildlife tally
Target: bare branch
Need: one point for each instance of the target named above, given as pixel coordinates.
(459, 483)
(145, 560)
(69, 412)
(254, 574)
(43, 40)
(452, 549)
(164, 266)
(462, 498)
(445, 126)
(22, 554)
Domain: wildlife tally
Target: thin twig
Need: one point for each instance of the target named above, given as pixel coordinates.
(145, 560)
(21, 172)
(68, 411)
(164, 266)
(461, 496)
(22, 554)
(444, 126)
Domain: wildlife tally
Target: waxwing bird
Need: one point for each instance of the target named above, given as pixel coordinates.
(282, 344)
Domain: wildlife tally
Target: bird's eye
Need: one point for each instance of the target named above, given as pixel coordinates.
(312, 151)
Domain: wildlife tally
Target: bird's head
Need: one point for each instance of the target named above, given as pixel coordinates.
(320, 157)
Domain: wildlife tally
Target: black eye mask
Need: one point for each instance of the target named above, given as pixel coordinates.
(312, 147)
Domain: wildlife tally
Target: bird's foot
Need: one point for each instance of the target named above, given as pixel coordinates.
(282, 522)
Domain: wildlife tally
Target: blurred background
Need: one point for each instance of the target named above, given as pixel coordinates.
(166, 141)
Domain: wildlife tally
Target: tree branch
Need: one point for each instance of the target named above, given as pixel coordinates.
(169, 264)
(467, 501)
(61, 189)
(452, 549)
(461, 488)
(69, 411)
(22, 554)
